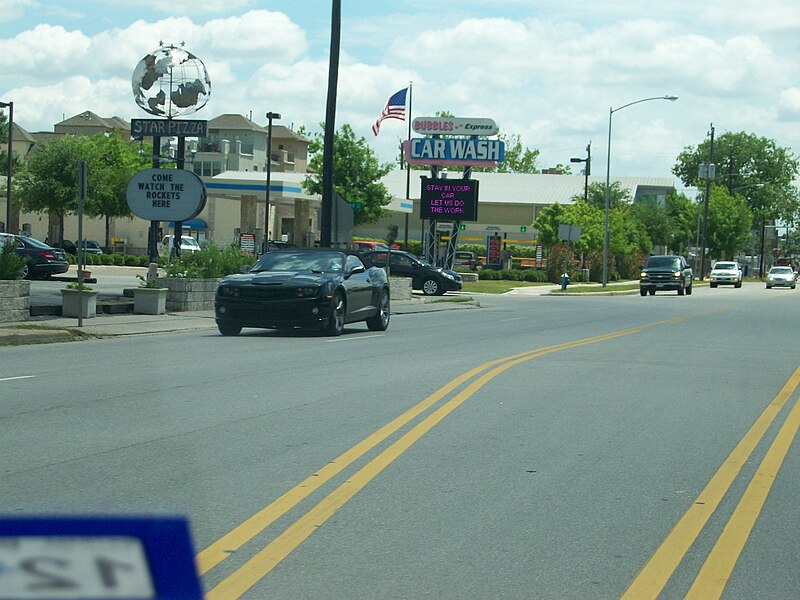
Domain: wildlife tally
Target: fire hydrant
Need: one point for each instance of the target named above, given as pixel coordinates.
(564, 281)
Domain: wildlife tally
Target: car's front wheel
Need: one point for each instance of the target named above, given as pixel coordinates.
(335, 324)
(689, 290)
(381, 320)
(229, 328)
(712, 284)
(643, 291)
(681, 290)
(431, 287)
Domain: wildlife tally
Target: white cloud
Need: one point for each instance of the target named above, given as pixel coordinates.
(789, 104)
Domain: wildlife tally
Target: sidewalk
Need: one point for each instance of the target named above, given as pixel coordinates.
(59, 329)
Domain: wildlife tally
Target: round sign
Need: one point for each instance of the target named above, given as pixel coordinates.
(166, 195)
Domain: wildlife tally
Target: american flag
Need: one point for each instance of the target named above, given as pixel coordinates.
(395, 109)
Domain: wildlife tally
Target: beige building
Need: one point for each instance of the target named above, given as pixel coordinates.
(232, 159)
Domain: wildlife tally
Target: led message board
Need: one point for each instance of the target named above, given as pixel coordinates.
(449, 199)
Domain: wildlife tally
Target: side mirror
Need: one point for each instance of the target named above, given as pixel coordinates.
(356, 269)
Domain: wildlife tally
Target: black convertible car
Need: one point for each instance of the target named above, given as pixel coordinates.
(309, 288)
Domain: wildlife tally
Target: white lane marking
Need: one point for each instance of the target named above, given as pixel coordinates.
(20, 377)
(514, 319)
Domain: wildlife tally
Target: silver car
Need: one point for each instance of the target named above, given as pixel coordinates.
(781, 276)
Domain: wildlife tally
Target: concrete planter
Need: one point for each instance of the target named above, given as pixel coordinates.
(15, 295)
(186, 293)
(400, 288)
(77, 304)
(150, 301)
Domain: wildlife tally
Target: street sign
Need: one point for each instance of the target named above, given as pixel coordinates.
(454, 126)
(569, 233)
(168, 128)
(166, 195)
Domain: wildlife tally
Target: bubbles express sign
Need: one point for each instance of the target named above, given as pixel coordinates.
(449, 199)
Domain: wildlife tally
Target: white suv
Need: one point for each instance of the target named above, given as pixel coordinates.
(188, 244)
(726, 273)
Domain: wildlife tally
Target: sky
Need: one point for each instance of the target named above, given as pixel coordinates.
(546, 71)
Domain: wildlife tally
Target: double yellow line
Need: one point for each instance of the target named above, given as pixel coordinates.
(257, 567)
(716, 571)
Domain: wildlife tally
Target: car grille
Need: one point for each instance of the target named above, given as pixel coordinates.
(660, 277)
(266, 294)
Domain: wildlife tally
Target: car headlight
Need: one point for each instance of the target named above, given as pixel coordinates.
(676, 275)
(230, 292)
(309, 291)
(643, 275)
(449, 276)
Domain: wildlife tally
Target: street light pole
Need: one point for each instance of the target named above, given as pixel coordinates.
(586, 171)
(9, 163)
(270, 117)
(611, 111)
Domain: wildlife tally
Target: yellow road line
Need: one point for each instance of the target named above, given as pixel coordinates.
(218, 551)
(654, 575)
(717, 569)
(268, 558)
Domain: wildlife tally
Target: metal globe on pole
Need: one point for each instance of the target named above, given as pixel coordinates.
(611, 111)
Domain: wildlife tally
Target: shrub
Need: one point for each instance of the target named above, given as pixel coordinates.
(118, 259)
(144, 261)
(11, 263)
(131, 261)
(210, 262)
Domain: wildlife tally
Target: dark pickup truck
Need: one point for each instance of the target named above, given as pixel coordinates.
(666, 273)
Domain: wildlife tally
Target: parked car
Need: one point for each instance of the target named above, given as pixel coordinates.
(41, 260)
(665, 272)
(466, 260)
(67, 246)
(188, 244)
(433, 281)
(365, 246)
(781, 276)
(726, 273)
(304, 287)
(91, 247)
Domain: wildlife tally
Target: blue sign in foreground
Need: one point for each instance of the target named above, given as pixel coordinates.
(89, 558)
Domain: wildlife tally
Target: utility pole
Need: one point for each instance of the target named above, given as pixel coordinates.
(709, 170)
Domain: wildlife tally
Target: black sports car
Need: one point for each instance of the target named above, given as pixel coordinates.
(309, 288)
(433, 281)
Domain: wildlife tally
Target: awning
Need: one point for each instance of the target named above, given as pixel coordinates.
(191, 224)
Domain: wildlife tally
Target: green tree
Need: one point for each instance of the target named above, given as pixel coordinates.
(112, 164)
(755, 166)
(729, 224)
(596, 195)
(356, 173)
(655, 218)
(49, 180)
(682, 217)
(518, 158)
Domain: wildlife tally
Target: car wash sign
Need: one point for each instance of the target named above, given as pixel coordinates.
(468, 152)
(166, 195)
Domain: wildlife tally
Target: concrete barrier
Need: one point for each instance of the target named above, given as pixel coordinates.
(15, 298)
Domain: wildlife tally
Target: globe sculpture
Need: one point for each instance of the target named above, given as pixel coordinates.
(171, 82)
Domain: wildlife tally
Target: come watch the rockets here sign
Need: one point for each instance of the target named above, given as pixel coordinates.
(166, 195)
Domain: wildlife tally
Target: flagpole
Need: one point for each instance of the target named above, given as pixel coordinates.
(408, 165)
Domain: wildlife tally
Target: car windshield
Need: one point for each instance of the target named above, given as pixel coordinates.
(295, 262)
(669, 262)
(725, 266)
(781, 271)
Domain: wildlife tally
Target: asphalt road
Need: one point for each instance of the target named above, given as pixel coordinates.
(539, 447)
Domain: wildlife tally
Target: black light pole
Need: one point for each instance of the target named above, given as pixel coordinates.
(270, 117)
(586, 171)
(326, 217)
(10, 107)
